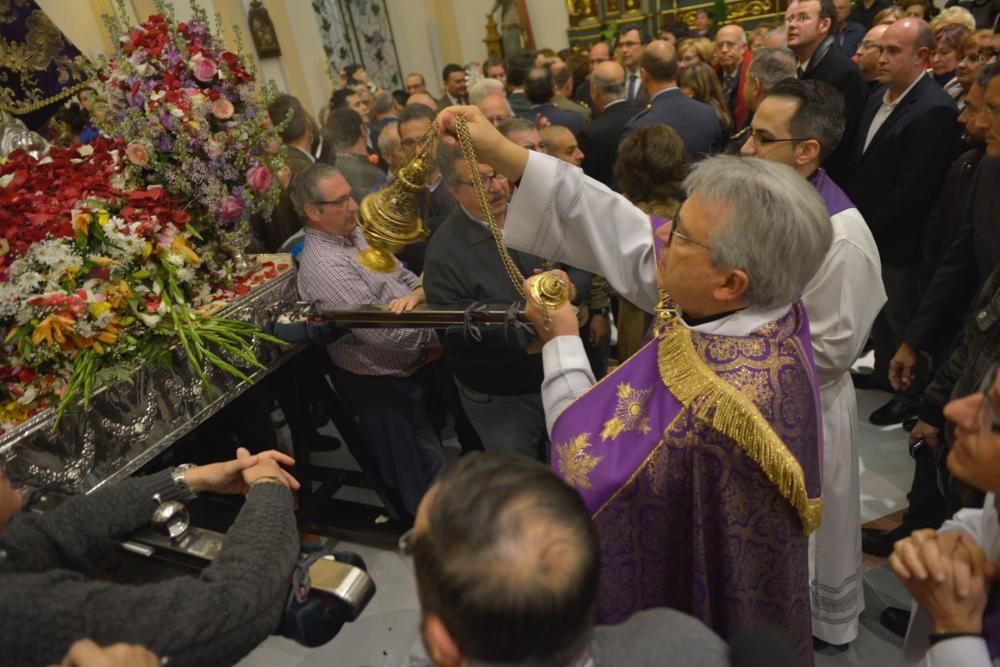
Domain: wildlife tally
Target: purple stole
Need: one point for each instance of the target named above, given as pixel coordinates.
(836, 199)
(699, 461)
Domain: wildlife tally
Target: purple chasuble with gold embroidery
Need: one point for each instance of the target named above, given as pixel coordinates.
(699, 461)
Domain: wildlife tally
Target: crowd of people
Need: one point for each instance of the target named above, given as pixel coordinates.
(738, 216)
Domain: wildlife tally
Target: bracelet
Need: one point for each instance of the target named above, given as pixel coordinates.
(270, 479)
(936, 637)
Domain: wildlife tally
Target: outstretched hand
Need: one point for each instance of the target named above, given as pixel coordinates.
(232, 476)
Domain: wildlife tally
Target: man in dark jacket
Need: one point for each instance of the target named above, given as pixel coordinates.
(540, 90)
(810, 26)
(696, 122)
(49, 600)
(906, 131)
(599, 140)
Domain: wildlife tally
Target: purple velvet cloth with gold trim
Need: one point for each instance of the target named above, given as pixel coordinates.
(699, 460)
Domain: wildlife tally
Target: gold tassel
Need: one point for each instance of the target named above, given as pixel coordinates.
(700, 390)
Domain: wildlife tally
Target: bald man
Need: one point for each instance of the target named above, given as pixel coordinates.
(599, 140)
(869, 53)
(561, 143)
(695, 121)
(732, 61)
(422, 98)
(496, 108)
(907, 131)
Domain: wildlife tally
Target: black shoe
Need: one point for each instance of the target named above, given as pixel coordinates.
(908, 424)
(862, 381)
(875, 543)
(895, 620)
(895, 411)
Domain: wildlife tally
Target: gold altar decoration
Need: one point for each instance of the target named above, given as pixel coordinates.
(390, 219)
(493, 39)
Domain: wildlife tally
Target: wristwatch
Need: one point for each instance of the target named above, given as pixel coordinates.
(178, 475)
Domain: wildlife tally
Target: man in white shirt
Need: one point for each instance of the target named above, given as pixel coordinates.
(949, 571)
(799, 124)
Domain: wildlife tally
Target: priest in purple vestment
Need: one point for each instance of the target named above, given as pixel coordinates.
(700, 457)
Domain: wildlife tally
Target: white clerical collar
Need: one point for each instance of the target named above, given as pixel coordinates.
(892, 105)
(742, 322)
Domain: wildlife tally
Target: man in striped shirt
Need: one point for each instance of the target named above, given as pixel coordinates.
(383, 373)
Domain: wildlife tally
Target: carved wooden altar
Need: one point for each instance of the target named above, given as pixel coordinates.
(592, 20)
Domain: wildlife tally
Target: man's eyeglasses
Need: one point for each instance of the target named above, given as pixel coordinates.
(408, 143)
(674, 224)
(989, 411)
(762, 139)
(339, 202)
(487, 180)
(799, 18)
(991, 111)
(727, 45)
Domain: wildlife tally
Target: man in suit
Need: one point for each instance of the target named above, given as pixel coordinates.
(454, 79)
(599, 53)
(732, 62)
(632, 43)
(810, 23)
(540, 90)
(562, 79)
(768, 67)
(901, 156)
(297, 137)
(345, 132)
(696, 122)
(599, 140)
(518, 67)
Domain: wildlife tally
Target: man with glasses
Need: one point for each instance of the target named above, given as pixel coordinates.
(810, 25)
(900, 160)
(632, 42)
(799, 123)
(436, 202)
(677, 452)
(869, 51)
(382, 373)
(950, 572)
(732, 64)
(499, 373)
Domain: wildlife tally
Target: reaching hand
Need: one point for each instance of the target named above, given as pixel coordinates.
(85, 653)
(901, 367)
(270, 470)
(948, 575)
(230, 476)
(542, 122)
(491, 147)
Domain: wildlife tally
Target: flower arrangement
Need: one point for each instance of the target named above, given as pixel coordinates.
(96, 277)
(194, 123)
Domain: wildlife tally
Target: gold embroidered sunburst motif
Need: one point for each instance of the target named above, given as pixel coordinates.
(630, 413)
(575, 464)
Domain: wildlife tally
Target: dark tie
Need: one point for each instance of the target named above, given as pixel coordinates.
(632, 79)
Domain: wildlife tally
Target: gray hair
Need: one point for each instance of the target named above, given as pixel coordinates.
(769, 66)
(610, 89)
(512, 125)
(480, 89)
(382, 102)
(778, 228)
(780, 31)
(388, 139)
(304, 188)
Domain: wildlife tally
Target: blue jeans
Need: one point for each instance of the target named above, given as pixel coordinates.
(507, 423)
(392, 414)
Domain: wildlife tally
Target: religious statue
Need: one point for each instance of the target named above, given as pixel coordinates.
(511, 30)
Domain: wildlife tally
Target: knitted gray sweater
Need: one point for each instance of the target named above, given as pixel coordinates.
(48, 601)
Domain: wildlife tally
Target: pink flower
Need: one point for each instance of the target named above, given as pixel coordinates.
(222, 108)
(137, 153)
(259, 178)
(204, 69)
(231, 207)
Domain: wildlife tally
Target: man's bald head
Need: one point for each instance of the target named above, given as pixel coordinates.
(730, 45)
(599, 53)
(607, 84)
(659, 61)
(906, 47)
(424, 99)
(560, 142)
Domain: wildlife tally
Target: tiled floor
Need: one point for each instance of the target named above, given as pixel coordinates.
(387, 633)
